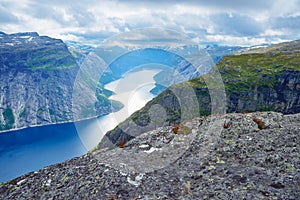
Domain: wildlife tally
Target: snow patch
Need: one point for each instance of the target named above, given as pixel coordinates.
(25, 37)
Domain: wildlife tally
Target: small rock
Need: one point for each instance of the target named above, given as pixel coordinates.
(137, 180)
(48, 183)
(21, 181)
(277, 185)
(152, 149)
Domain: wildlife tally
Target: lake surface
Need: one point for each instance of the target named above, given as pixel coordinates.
(30, 149)
(133, 91)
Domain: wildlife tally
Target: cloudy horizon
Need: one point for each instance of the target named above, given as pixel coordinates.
(231, 22)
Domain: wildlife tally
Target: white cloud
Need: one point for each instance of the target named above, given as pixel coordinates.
(226, 22)
(149, 37)
(270, 32)
(234, 40)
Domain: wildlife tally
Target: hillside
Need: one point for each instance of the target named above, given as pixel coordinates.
(37, 80)
(264, 81)
(205, 160)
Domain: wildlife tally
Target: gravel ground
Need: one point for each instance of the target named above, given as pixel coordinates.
(227, 156)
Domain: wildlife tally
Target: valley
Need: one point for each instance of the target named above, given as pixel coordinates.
(133, 108)
(30, 149)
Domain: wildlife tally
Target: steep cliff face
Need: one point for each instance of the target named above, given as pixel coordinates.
(34, 97)
(265, 81)
(37, 75)
(37, 80)
(283, 97)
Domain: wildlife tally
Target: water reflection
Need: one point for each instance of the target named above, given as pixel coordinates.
(133, 91)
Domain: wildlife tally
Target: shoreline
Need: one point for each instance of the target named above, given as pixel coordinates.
(156, 69)
(48, 124)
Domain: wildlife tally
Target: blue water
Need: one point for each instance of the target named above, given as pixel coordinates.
(30, 149)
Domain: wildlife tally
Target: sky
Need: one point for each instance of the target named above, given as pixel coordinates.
(223, 22)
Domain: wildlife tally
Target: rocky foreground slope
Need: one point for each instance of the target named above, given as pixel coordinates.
(232, 156)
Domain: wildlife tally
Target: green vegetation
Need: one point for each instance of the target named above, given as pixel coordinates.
(116, 104)
(87, 110)
(4, 183)
(41, 110)
(140, 118)
(23, 113)
(246, 72)
(9, 119)
(52, 112)
(103, 99)
(244, 76)
(49, 57)
(252, 82)
(9, 116)
(64, 178)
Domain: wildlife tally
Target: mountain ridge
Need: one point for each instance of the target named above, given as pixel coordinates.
(37, 79)
(252, 82)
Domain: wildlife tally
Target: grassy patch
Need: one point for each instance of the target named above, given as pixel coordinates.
(52, 112)
(246, 71)
(9, 119)
(4, 183)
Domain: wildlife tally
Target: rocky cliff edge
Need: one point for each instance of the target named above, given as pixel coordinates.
(232, 156)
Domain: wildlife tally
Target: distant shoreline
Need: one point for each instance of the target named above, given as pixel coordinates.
(48, 124)
(156, 69)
